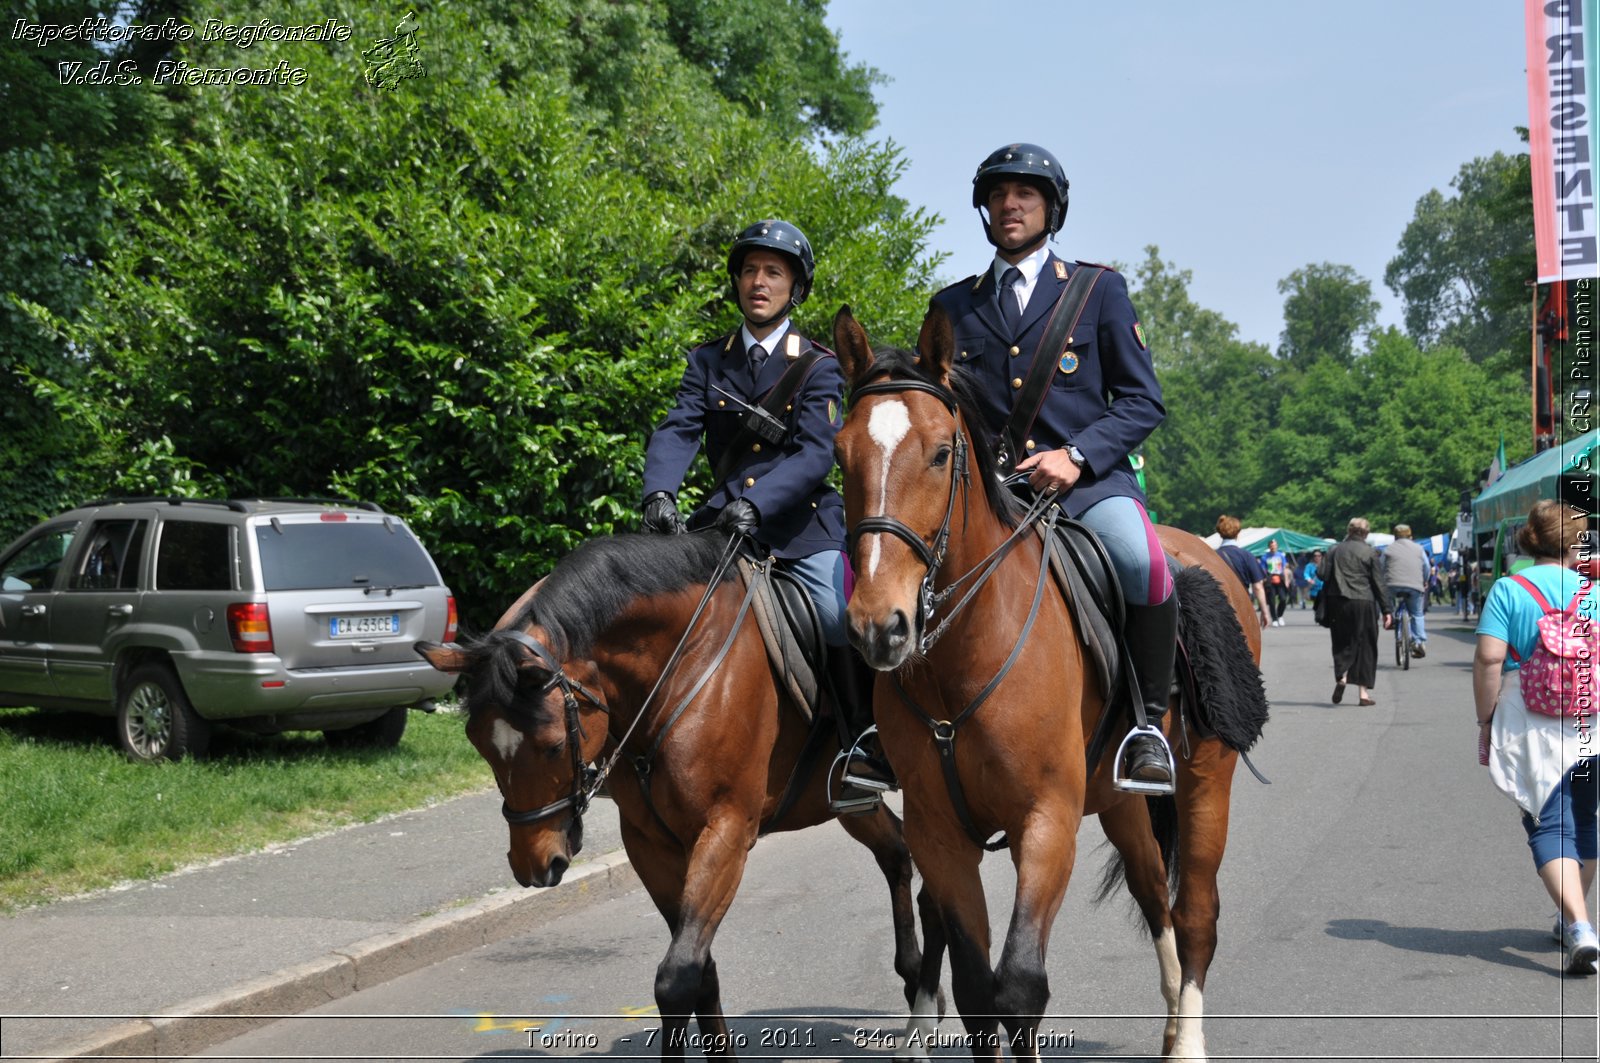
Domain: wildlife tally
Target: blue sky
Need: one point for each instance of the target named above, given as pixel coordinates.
(1246, 140)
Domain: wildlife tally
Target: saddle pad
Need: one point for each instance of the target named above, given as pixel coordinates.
(790, 631)
(1087, 581)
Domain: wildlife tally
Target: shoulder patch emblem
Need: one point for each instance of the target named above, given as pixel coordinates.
(833, 412)
(1138, 334)
(1061, 270)
(1069, 362)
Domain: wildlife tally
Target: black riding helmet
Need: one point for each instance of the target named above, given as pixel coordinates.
(786, 239)
(1026, 161)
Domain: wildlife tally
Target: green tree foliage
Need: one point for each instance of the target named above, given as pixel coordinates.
(1464, 261)
(1394, 437)
(465, 297)
(54, 140)
(1328, 311)
(1393, 433)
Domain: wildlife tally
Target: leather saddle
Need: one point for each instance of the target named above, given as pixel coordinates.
(791, 632)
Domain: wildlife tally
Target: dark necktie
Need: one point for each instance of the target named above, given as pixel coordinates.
(758, 358)
(1010, 312)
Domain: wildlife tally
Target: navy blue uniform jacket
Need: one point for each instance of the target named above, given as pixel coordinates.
(787, 483)
(1103, 395)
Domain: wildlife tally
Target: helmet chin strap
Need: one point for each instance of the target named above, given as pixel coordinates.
(1030, 245)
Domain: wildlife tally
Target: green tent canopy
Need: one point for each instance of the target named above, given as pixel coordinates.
(1566, 471)
(1290, 542)
(1255, 540)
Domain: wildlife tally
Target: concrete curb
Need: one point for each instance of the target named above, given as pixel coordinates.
(201, 1022)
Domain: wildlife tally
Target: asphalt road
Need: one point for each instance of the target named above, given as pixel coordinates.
(1378, 903)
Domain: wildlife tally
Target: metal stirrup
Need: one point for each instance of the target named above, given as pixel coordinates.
(839, 804)
(856, 753)
(1139, 786)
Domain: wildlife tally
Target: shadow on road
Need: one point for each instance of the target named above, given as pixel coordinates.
(1493, 946)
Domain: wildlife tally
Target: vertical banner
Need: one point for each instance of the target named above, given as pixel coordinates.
(1561, 110)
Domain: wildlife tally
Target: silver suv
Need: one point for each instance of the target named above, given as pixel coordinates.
(269, 615)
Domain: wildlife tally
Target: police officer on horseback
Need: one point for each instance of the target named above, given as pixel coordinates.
(766, 400)
(1075, 431)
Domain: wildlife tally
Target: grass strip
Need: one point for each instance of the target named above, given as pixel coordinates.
(75, 815)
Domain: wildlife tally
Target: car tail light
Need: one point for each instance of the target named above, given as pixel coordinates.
(335, 515)
(450, 621)
(250, 627)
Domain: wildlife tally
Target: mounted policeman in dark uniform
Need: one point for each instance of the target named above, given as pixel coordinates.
(771, 473)
(1074, 431)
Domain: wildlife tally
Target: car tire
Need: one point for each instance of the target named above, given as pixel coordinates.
(155, 720)
(383, 733)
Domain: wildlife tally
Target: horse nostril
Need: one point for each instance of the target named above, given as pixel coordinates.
(558, 867)
(899, 628)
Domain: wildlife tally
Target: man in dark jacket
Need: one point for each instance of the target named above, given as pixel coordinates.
(1101, 402)
(771, 487)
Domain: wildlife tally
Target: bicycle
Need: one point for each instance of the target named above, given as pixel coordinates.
(1402, 636)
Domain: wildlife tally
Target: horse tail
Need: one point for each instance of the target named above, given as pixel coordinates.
(1232, 698)
(1164, 825)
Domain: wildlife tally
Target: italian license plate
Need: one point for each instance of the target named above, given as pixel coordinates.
(350, 627)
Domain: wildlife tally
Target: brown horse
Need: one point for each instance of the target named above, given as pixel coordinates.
(642, 649)
(987, 727)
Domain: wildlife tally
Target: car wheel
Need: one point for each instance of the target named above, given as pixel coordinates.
(383, 733)
(155, 720)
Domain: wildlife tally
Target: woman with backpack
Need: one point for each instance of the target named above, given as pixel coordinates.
(1533, 687)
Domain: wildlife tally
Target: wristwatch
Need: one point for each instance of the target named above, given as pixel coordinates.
(1075, 456)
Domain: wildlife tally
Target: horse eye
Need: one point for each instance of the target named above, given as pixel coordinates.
(941, 457)
(555, 750)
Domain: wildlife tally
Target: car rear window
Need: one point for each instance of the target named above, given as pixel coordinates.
(324, 555)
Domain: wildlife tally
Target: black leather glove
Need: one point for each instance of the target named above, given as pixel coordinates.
(738, 517)
(661, 515)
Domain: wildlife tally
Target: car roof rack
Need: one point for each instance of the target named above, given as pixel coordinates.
(371, 507)
(173, 500)
(238, 505)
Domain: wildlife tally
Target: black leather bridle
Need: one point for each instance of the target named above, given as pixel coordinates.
(932, 557)
(1044, 511)
(585, 778)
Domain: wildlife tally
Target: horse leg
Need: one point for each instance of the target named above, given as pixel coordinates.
(1043, 857)
(693, 901)
(1127, 826)
(950, 879)
(882, 833)
(1204, 786)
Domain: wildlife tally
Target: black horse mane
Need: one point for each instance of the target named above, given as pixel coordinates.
(900, 364)
(580, 598)
(590, 586)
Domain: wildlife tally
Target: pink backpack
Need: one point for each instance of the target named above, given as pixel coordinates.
(1558, 678)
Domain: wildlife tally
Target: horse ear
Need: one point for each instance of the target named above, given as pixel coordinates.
(936, 344)
(850, 343)
(449, 659)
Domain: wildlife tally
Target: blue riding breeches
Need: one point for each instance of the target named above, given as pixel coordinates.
(1130, 539)
(822, 575)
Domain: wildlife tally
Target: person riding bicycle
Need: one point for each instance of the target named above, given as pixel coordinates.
(771, 483)
(1406, 569)
(1102, 401)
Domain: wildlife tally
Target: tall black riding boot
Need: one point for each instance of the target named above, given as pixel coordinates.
(866, 770)
(1152, 638)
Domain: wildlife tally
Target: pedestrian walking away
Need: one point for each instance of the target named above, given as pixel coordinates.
(1543, 763)
(1245, 565)
(1354, 581)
